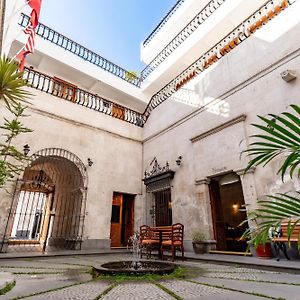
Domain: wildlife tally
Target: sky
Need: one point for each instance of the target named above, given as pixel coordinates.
(112, 28)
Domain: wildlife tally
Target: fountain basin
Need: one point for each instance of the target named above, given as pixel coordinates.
(135, 268)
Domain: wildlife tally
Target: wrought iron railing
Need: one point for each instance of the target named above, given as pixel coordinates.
(242, 32)
(70, 92)
(66, 43)
(199, 19)
(163, 22)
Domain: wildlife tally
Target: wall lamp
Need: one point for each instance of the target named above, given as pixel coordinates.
(288, 75)
(178, 160)
(90, 162)
(26, 149)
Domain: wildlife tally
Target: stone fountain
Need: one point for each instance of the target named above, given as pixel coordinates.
(136, 266)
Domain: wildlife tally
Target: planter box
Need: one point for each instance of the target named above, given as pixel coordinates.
(201, 247)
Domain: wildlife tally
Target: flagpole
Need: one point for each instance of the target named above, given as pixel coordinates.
(13, 58)
(15, 12)
(2, 19)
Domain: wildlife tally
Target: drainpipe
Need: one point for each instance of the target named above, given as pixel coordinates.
(2, 17)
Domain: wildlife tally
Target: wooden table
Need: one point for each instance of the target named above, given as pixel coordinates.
(161, 230)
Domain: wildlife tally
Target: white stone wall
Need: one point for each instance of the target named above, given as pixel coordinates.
(113, 145)
(246, 82)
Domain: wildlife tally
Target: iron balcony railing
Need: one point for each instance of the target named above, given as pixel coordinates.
(66, 43)
(241, 33)
(163, 22)
(70, 92)
(199, 19)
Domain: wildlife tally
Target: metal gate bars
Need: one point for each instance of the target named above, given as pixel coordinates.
(48, 207)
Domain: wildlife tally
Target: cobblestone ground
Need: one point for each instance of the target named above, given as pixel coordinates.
(67, 278)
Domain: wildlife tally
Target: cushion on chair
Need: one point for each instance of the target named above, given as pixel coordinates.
(169, 243)
(149, 242)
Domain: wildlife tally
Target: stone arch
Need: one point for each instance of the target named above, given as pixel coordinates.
(50, 202)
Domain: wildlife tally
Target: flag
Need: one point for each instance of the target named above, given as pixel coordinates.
(30, 30)
(35, 14)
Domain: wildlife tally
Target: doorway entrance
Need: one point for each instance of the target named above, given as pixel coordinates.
(48, 208)
(228, 211)
(122, 219)
(163, 208)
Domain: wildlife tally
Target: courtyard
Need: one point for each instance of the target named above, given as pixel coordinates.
(192, 145)
(69, 277)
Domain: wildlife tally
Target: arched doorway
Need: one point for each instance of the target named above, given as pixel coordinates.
(48, 208)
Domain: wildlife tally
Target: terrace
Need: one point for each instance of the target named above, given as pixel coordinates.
(225, 45)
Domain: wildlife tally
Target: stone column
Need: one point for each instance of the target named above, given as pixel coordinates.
(249, 187)
(250, 194)
(205, 213)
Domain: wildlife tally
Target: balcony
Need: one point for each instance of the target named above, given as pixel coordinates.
(259, 18)
(68, 91)
(199, 19)
(253, 18)
(163, 22)
(69, 45)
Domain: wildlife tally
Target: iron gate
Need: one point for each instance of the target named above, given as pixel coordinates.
(158, 194)
(48, 208)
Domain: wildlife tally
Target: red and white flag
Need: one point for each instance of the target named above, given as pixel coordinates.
(30, 30)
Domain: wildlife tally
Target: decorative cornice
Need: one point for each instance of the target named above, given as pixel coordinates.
(203, 135)
(156, 169)
(167, 175)
(241, 172)
(202, 181)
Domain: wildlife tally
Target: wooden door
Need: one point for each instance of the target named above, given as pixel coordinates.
(116, 220)
(45, 220)
(127, 219)
(217, 215)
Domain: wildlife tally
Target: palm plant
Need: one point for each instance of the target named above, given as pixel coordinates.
(12, 91)
(280, 137)
(11, 83)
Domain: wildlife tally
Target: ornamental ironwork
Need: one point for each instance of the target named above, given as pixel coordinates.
(190, 28)
(49, 85)
(66, 43)
(163, 22)
(239, 34)
(156, 168)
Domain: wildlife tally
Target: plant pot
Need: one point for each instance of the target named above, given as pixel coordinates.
(200, 247)
(264, 251)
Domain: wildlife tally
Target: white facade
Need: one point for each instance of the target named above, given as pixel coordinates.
(207, 121)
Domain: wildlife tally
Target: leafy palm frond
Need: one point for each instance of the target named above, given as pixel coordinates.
(280, 136)
(270, 214)
(12, 86)
(12, 91)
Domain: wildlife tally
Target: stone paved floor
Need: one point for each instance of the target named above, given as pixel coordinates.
(67, 278)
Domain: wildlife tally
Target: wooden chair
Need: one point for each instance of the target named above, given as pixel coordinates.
(147, 240)
(282, 238)
(175, 241)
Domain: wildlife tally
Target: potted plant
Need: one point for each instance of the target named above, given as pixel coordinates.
(278, 138)
(259, 242)
(264, 250)
(200, 244)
